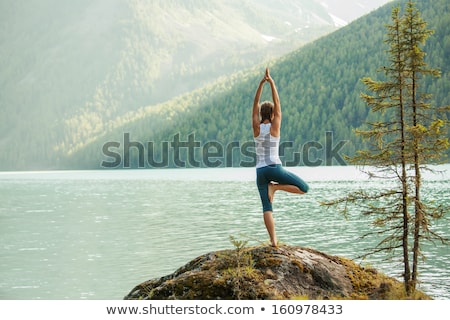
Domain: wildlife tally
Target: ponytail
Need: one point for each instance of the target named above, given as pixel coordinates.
(266, 111)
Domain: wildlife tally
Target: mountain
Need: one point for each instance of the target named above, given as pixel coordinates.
(73, 70)
(319, 86)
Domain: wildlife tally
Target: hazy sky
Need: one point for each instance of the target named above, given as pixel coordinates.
(349, 10)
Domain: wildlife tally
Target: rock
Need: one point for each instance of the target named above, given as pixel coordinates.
(264, 272)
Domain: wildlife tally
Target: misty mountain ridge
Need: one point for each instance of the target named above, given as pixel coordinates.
(319, 86)
(74, 71)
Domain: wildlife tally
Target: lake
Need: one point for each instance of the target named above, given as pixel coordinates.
(96, 234)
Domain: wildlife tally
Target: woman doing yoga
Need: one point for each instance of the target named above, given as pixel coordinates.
(270, 175)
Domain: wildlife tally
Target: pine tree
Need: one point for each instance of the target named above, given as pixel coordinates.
(410, 135)
(427, 132)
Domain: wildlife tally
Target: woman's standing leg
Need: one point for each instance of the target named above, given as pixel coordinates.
(263, 188)
(270, 226)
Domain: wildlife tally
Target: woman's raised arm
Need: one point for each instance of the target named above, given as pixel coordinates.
(255, 112)
(276, 121)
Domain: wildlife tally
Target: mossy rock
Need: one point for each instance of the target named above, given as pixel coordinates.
(264, 272)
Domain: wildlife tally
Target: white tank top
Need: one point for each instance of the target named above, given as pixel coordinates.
(266, 147)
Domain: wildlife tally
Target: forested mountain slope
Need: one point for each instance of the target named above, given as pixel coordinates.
(319, 87)
(73, 70)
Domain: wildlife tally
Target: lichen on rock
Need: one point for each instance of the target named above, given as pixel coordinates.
(264, 272)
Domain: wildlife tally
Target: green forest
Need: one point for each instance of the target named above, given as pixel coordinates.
(319, 85)
(74, 70)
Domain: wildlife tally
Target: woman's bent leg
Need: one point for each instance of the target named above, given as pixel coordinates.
(286, 181)
(289, 178)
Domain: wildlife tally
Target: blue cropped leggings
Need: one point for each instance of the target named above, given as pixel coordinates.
(276, 173)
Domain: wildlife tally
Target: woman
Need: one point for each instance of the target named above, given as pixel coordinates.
(270, 175)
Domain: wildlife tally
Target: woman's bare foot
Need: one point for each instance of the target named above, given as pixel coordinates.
(271, 191)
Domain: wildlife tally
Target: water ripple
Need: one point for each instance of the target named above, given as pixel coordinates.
(94, 235)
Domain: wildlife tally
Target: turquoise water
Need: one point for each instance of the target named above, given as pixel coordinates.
(96, 234)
